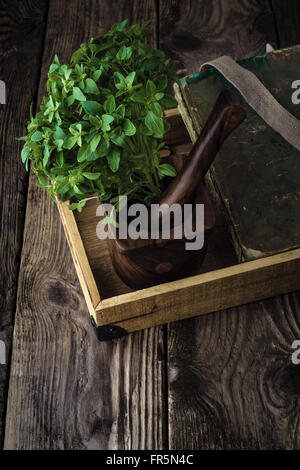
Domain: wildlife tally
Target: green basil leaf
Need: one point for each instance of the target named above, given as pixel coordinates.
(37, 136)
(166, 170)
(150, 88)
(25, 152)
(139, 97)
(74, 206)
(70, 142)
(106, 120)
(43, 180)
(130, 78)
(118, 140)
(53, 67)
(168, 101)
(59, 133)
(113, 159)
(94, 142)
(159, 96)
(63, 187)
(119, 79)
(97, 74)
(121, 54)
(110, 104)
(77, 189)
(92, 107)
(120, 27)
(121, 110)
(46, 156)
(78, 95)
(57, 170)
(59, 143)
(91, 176)
(103, 148)
(157, 109)
(95, 121)
(105, 45)
(91, 87)
(83, 153)
(154, 124)
(60, 158)
(129, 127)
(70, 100)
(93, 156)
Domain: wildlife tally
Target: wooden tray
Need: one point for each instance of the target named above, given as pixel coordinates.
(219, 283)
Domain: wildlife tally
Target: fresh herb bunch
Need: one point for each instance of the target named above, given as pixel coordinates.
(100, 127)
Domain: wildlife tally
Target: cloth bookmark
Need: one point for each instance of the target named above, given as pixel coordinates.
(259, 98)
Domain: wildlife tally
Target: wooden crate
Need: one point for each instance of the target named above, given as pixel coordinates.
(218, 284)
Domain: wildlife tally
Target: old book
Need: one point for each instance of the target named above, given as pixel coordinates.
(257, 172)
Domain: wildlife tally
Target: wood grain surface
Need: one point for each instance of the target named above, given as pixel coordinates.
(22, 26)
(67, 391)
(287, 19)
(194, 31)
(231, 381)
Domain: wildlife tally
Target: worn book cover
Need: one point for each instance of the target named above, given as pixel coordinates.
(257, 172)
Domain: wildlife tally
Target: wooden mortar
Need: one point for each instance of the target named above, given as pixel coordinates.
(142, 263)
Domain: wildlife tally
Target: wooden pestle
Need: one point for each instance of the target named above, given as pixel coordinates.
(226, 115)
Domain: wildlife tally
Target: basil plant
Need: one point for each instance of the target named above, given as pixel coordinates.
(101, 125)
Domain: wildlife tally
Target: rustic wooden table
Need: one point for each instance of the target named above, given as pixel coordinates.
(220, 381)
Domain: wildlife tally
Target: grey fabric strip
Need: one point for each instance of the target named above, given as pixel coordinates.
(259, 98)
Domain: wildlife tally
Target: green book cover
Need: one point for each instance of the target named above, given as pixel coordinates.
(256, 173)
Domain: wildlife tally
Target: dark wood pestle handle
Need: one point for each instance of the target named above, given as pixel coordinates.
(226, 115)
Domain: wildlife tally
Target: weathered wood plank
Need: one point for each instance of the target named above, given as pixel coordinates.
(22, 26)
(67, 391)
(287, 20)
(231, 381)
(193, 32)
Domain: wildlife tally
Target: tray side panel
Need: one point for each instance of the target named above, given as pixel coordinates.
(202, 294)
(84, 272)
